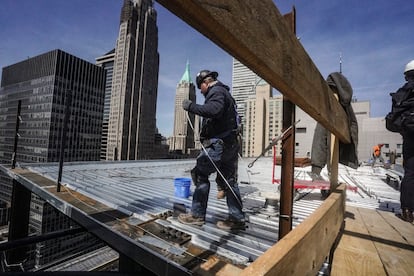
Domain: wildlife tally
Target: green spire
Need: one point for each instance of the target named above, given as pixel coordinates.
(186, 76)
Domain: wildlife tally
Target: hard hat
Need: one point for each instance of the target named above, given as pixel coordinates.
(409, 66)
(204, 74)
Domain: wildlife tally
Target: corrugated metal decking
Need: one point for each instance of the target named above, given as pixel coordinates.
(144, 190)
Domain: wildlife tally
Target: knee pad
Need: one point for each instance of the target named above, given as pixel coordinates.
(197, 177)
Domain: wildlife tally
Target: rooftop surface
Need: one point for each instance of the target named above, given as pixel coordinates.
(144, 192)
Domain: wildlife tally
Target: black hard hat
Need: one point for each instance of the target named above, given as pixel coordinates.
(204, 74)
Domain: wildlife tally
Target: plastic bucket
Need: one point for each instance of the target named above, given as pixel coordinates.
(182, 187)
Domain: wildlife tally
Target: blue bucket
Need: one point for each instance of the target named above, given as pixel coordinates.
(182, 187)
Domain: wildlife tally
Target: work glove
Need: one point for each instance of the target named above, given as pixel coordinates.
(186, 104)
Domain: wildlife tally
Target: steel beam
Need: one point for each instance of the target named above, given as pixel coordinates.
(137, 252)
(19, 221)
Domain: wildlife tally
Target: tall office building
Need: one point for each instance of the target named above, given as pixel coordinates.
(244, 82)
(263, 120)
(45, 85)
(183, 135)
(107, 63)
(132, 121)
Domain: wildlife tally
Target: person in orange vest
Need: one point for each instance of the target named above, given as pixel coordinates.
(376, 154)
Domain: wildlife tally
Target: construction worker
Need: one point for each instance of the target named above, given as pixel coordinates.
(407, 183)
(219, 152)
(376, 154)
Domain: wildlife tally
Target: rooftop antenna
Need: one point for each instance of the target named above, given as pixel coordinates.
(340, 62)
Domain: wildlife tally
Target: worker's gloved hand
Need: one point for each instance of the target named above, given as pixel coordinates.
(186, 104)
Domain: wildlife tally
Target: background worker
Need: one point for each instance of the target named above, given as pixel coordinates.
(376, 154)
(403, 100)
(219, 152)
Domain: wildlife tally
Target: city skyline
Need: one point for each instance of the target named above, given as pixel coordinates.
(373, 41)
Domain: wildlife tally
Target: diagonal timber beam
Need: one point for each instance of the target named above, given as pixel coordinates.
(255, 33)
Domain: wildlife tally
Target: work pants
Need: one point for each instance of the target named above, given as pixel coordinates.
(225, 158)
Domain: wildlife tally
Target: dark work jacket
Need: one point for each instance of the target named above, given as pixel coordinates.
(348, 154)
(218, 112)
(403, 101)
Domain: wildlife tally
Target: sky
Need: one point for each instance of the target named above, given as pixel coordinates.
(373, 40)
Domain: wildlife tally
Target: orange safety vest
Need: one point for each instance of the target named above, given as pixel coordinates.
(377, 150)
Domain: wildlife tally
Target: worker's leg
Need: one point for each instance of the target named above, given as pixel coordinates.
(212, 153)
(407, 183)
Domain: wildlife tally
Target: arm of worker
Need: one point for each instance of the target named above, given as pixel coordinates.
(213, 106)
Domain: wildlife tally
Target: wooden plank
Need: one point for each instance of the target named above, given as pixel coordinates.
(396, 254)
(255, 33)
(405, 229)
(303, 250)
(356, 253)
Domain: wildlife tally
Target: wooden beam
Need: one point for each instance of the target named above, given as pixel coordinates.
(255, 33)
(303, 250)
(288, 154)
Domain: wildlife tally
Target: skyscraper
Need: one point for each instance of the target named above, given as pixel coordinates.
(43, 84)
(106, 62)
(244, 84)
(132, 121)
(243, 87)
(46, 85)
(183, 134)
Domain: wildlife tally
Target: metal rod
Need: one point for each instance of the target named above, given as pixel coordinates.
(68, 102)
(40, 238)
(273, 143)
(16, 134)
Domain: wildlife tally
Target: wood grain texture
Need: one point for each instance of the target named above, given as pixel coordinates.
(374, 243)
(303, 250)
(255, 33)
(356, 253)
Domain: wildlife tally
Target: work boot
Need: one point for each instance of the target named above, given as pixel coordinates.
(406, 215)
(316, 176)
(229, 225)
(189, 219)
(221, 194)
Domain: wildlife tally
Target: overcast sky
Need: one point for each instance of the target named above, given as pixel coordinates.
(374, 38)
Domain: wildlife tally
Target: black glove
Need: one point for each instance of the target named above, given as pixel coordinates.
(186, 104)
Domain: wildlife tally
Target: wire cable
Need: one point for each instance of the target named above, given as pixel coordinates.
(215, 166)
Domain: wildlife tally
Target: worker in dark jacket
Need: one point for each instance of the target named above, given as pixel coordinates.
(407, 183)
(219, 152)
(321, 140)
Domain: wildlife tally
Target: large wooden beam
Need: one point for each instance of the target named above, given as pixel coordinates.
(255, 33)
(303, 250)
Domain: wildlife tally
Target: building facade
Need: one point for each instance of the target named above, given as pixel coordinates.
(48, 86)
(264, 115)
(244, 83)
(132, 120)
(44, 84)
(371, 131)
(183, 134)
(107, 63)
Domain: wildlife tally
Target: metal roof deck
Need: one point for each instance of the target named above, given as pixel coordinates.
(144, 191)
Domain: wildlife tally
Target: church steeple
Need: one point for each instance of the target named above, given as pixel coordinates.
(186, 76)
